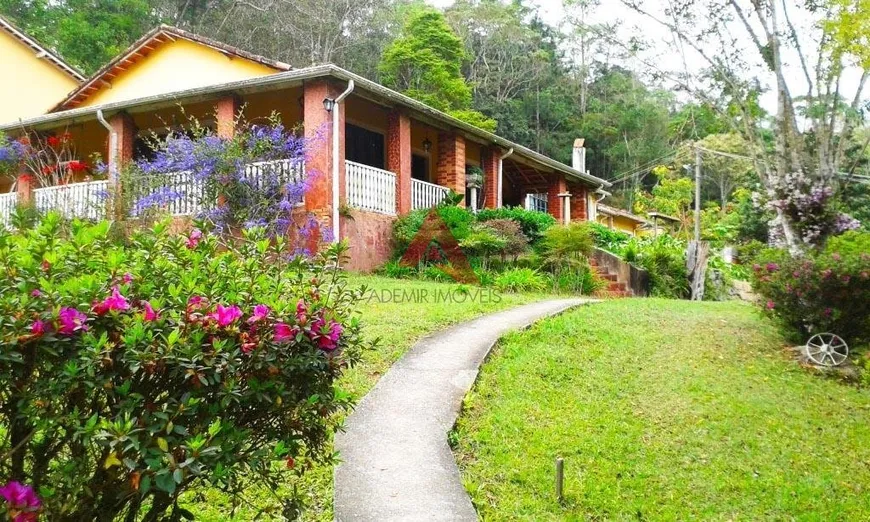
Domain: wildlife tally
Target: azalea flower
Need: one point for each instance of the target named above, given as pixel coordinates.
(327, 337)
(128, 278)
(284, 332)
(38, 328)
(194, 238)
(226, 315)
(771, 305)
(149, 314)
(71, 320)
(116, 301)
(21, 502)
(35, 293)
(260, 312)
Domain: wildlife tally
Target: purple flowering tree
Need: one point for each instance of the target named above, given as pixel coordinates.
(11, 154)
(257, 179)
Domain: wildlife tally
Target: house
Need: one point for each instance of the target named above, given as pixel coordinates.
(622, 220)
(391, 153)
(36, 78)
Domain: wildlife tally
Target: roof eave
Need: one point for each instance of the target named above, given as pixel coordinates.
(278, 79)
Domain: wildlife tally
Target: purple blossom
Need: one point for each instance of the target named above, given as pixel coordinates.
(21, 499)
(261, 311)
(225, 315)
(159, 198)
(71, 321)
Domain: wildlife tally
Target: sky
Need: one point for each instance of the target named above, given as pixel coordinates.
(663, 51)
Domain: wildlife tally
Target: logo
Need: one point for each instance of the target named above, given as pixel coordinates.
(435, 244)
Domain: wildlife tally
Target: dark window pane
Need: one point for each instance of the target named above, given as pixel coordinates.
(420, 167)
(364, 146)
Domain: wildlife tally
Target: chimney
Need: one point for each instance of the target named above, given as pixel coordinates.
(578, 156)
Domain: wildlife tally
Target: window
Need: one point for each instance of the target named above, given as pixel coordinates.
(420, 167)
(364, 146)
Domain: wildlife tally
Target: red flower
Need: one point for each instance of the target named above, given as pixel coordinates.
(48, 169)
(77, 166)
(53, 141)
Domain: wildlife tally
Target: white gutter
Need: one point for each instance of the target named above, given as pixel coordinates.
(498, 199)
(593, 210)
(336, 179)
(113, 147)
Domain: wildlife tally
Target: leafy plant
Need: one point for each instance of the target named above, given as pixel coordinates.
(520, 280)
(483, 242)
(396, 270)
(516, 243)
(825, 290)
(458, 220)
(533, 223)
(607, 238)
(139, 368)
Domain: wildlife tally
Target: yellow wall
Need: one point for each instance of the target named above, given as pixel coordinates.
(619, 223)
(175, 66)
(31, 86)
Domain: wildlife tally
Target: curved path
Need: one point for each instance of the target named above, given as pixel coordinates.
(396, 463)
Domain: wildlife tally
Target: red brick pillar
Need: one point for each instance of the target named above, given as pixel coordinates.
(579, 199)
(489, 159)
(125, 130)
(451, 162)
(318, 164)
(399, 158)
(226, 111)
(554, 202)
(125, 133)
(25, 188)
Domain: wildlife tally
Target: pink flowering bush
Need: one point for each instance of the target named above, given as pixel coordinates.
(134, 369)
(826, 290)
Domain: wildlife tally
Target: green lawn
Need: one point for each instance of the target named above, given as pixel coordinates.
(662, 410)
(398, 325)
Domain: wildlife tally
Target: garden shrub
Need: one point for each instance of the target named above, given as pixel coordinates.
(532, 222)
(608, 239)
(396, 270)
(483, 242)
(516, 243)
(135, 370)
(582, 280)
(457, 219)
(520, 280)
(825, 290)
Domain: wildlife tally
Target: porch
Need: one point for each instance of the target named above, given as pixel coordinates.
(391, 156)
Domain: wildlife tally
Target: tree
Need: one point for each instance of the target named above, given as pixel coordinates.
(724, 165)
(735, 39)
(425, 63)
(87, 33)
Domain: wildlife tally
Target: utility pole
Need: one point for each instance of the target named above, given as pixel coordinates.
(696, 254)
(697, 193)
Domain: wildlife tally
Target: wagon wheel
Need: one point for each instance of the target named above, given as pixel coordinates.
(827, 349)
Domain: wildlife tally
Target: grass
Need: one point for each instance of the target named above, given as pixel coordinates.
(662, 410)
(398, 324)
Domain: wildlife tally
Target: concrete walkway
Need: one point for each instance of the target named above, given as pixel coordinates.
(396, 464)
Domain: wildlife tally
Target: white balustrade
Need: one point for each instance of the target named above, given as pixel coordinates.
(181, 194)
(536, 202)
(370, 188)
(426, 195)
(7, 206)
(83, 200)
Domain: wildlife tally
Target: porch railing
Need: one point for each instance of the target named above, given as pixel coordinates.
(370, 188)
(185, 194)
(83, 200)
(536, 202)
(7, 205)
(426, 195)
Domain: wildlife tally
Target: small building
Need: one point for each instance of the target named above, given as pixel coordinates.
(394, 154)
(622, 220)
(35, 78)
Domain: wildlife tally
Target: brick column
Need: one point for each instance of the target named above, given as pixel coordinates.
(451, 162)
(24, 184)
(554, 202)
(318, 164)
(399, 158)
(125, 133)
(226, 111)
(579, 198)
(125, 130)
(489, 162)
